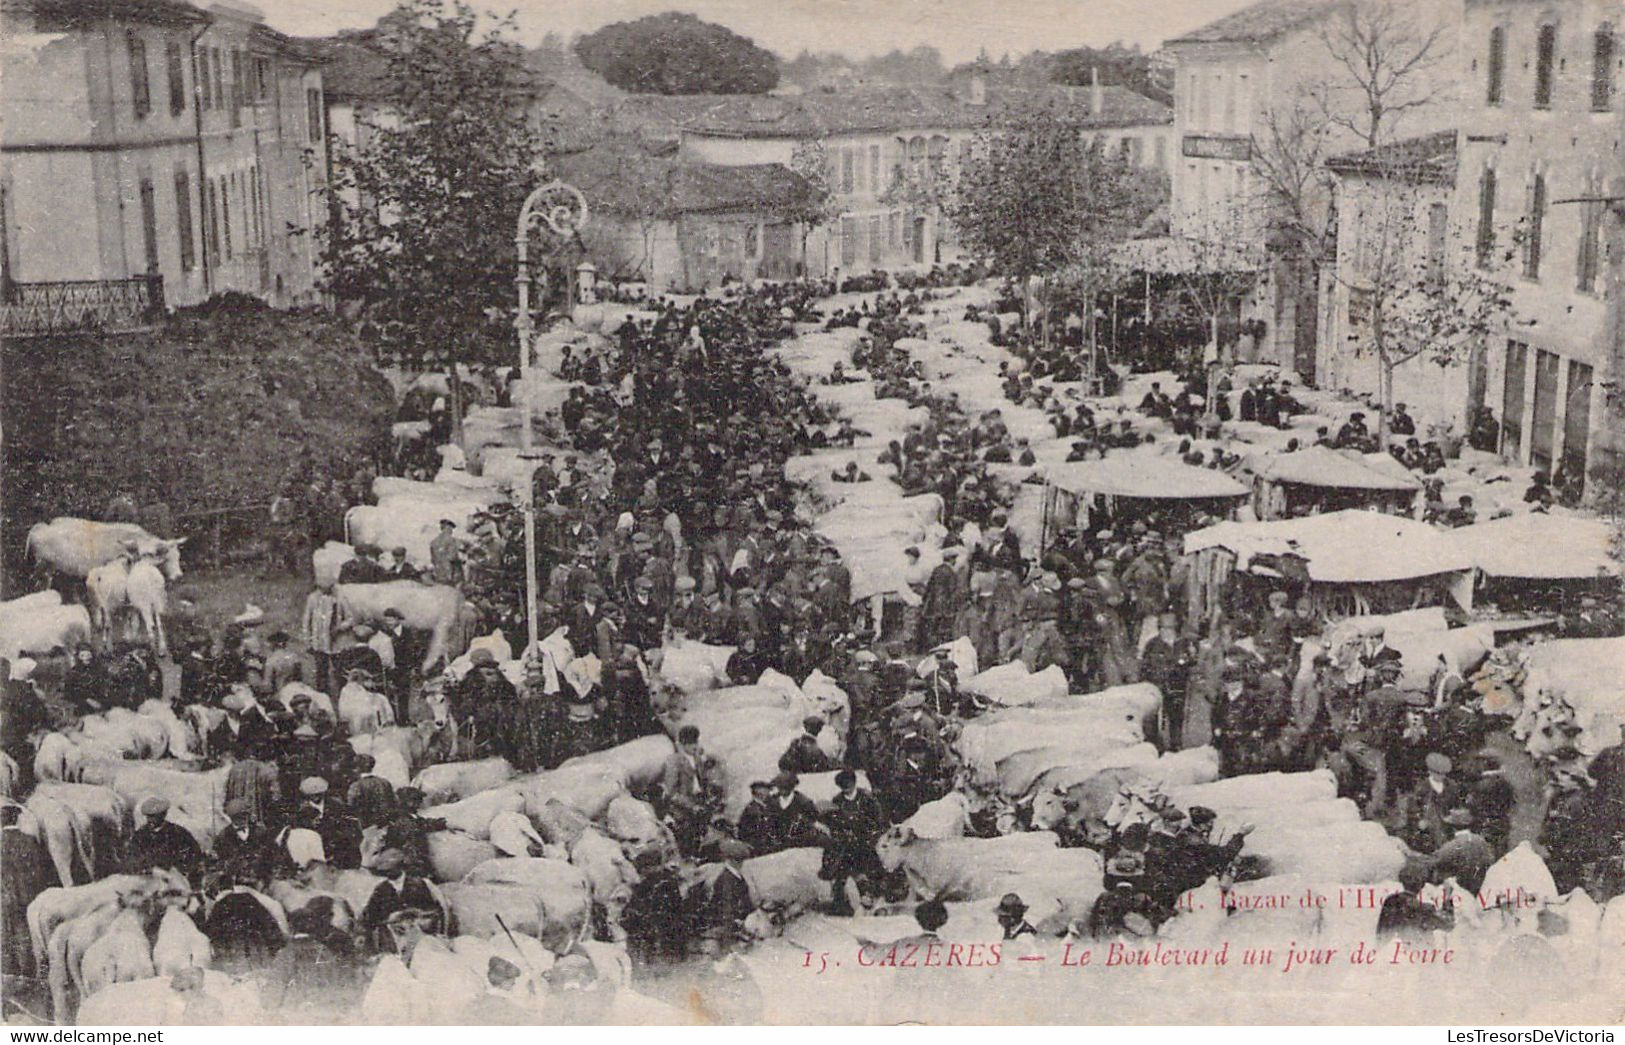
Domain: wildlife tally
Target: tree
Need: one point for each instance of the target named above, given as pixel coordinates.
(1041, 194)
(1385, 55)
(675, 53)
(818, 207)
(1409, 298)
(420, 241)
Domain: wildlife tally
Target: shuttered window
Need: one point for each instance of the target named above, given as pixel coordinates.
(183, 220)
(1545, 58)
(1495, 67)
(140, 82)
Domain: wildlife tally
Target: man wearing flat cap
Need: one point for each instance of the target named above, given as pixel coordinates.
(322, 813)
(159, 843)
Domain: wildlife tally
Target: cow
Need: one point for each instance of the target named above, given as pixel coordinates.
(410, 522)
(548, 899)
(964, 868)
(453, 854)
(473, 815)
(609, 872)
(389, 487)
(433, 608)
(59, 904)
(73, 547)
(179, 945)
(453, 781)
(135, 586)
(633, 823)
(44, 628)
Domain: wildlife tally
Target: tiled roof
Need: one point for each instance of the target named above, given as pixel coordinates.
(1259, 22)
(74, 12)
(1430, 157)
(626, 179)
(820, 113)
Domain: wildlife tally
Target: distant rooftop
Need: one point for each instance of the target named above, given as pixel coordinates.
(820, 113)
(1258, 23)
(625, 178)
(1427, 158)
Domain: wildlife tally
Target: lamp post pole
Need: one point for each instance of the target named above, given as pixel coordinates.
(564, 210)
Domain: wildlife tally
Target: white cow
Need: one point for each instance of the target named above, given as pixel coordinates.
(42, 629)
(74, 546)
(138, 587)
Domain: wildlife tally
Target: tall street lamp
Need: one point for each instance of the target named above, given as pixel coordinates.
(563, 210)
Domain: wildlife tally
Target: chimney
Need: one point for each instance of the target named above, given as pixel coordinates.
(1096, 100)
(978, 88)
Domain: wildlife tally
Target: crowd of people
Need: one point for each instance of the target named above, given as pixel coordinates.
(667, 515)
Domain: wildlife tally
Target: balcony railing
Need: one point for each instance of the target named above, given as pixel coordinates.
(66, 306)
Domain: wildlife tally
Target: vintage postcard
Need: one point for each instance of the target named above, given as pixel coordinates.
(703, 512)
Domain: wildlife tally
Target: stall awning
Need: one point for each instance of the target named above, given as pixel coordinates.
(1335, 469)
(1538, 546)
(1348, 547)
(1152, 477)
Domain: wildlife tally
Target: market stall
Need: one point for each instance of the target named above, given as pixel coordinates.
(1126, 483)
(1538, 561)
(1349, 562)
(1320, 479)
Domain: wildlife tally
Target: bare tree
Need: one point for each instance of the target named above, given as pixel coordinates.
(1387, 57)
(1409, 296)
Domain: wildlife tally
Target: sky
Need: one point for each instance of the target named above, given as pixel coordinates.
(859, 28)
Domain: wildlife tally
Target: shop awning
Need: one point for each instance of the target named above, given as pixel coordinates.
(1348, 547)
(1538, 546)
(1146, 476)
(1335, 469)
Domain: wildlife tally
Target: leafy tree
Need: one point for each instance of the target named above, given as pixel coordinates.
(818, 206)
(1042, 194)
(214, 408)
(676, 53)
(421, 238)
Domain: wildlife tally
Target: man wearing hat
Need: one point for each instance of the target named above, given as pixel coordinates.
(804, 755)
(321, 622)
(159, 843)
(245, 732)
(319, 812)
(245, 852)
(685, 797)
(446, 555)
(1166, 662)
(941, 601)
(854, 820)
(795, 816)
(728, 901)
(1431, 797)
(1012, 916)
(364, 568)
(758, 821)
(399, 891)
